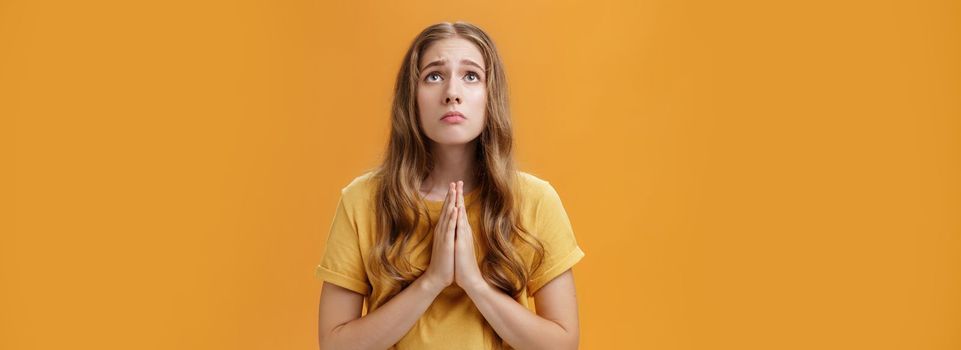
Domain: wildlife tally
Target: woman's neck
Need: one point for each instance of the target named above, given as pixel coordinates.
(452, 163)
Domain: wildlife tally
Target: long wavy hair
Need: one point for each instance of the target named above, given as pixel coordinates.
(408, 161)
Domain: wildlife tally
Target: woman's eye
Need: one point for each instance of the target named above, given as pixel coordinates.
(474, 75)
(431, 75)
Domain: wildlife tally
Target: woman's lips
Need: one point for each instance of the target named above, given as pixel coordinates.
(453, 119)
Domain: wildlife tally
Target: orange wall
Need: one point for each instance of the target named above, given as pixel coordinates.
(741, 175)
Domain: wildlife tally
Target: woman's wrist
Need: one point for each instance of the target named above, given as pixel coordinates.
(428, 284)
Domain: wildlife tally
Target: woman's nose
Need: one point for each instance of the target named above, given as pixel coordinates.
(452, 93)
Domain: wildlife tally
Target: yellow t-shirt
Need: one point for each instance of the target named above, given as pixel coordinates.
(452, 321)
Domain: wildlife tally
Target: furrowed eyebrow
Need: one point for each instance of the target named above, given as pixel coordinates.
(444, 62)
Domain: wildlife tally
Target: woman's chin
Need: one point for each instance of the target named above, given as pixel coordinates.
(458, 140)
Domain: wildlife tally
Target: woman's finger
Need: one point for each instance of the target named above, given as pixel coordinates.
(452, 222)
(461, 207)
(452, 203)
(452, 206)
(444, 213)
(462, 223)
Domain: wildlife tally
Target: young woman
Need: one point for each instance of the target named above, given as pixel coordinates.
(446, 240)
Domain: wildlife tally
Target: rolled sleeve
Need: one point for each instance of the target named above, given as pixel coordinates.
(553, 228)
(343, 262)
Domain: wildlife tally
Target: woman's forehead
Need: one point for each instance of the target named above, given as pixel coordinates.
(456, 51)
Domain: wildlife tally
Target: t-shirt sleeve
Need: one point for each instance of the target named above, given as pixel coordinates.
(343, 263)
(553, 228)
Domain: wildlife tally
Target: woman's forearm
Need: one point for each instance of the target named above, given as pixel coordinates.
(516, 324)
(383, 327)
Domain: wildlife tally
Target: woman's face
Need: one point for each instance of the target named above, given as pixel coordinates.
(452, 80)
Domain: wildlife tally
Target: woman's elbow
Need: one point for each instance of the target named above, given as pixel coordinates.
(327, 338)
(572, 340)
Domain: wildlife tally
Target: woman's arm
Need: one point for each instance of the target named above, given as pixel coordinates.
(555, 325)
(341, 326)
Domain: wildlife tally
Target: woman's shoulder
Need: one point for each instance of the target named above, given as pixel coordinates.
(360, 189)
(534, 187)
(528, 179)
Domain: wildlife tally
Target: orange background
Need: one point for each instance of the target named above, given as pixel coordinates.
(741, 174)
